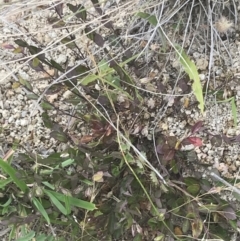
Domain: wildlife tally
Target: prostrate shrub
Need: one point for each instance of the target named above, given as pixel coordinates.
(118, 171)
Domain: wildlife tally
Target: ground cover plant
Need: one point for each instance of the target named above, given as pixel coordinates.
(117, 171)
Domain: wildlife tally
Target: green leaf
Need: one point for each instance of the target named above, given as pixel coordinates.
(36, 65)
(193, 189)
(46, 106)
(103, 67)
(35, 62)
(32, 96)
(59, 135)
(185, 225)
(49, 185)
(46, 120)
(218, 232)
(34, 50)
(67, 204)
(56, 202)
(7, 203)
(190, 181)
(233, 224)
(52, 159)
(12, 173)
(126, 77)
(151, 18)
(79, 10)
(234, 111)
(68, 42)
(56, 65)
(21, 43)
(18, 50)
(88, 79)
(74, 201)
(3, 183)
(154, 178)
(154, 22)
(209, 208)
(138, 237)
(191, 69)
(25, 83)
(95, 37)
(27, 237)
(41, 237)
(41, 209)
(174, 166)
(67, 163)
(59, 23)
(77, 72)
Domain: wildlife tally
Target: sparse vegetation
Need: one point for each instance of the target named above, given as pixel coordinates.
(117, 170)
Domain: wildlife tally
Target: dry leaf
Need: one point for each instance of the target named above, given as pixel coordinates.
(163, 126)
(75, 139)
(178, 231)
(51, 98)
(197, 227)
(145, 131)
(186, 102)
(108, 131)
(8, 154)
(137, 130)
(121, 98)
(85, 139)
(153, 74)
(143, 43)
(145, 80)
(15, 85)
(7, 46)
(155, 47)
(98, 177)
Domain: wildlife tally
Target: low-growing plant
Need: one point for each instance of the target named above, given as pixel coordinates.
(109, 183)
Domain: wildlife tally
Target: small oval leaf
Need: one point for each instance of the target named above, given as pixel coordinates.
(25, 83)
(60, 136)
(196, 127)
(21, 43)
(98, 177)
(194, 189)
(197, 227)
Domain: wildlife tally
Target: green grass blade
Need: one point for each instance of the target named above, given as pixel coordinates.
(88, 79)
(191, 69)
(27, 237)
(56, 202)
(154, 22)
(74, 201)
(234, 111)
(49, 185)
(3, 183)
(67, 204)
(41, 209)
(151, 18)
(43, 237)
(67, 163)
(12, 173)
(6, 203)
